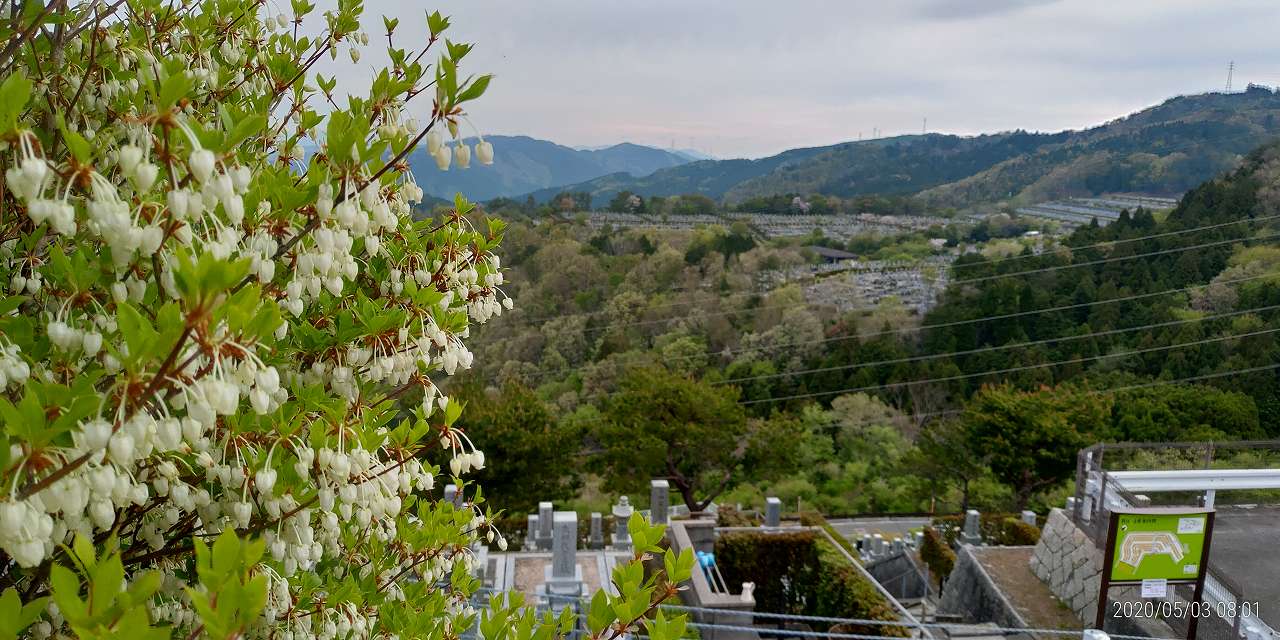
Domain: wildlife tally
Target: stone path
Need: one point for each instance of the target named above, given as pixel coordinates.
(1010, 568)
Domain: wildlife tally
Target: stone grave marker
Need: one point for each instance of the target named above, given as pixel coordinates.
(772, 512)
(545, 517)
(562, 582)
(972, 533)
(621, 514)
(596, 539)
(531, 533)
(659, 501)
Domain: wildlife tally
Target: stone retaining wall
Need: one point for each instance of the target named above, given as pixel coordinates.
(971, 592)
(1068, 562)
(900, 575)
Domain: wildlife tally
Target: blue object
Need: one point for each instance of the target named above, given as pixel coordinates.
(706, 559)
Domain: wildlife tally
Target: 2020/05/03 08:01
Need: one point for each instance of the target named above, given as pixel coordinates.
(1180, 609)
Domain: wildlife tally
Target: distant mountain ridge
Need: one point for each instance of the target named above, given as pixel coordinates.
(1164, 149)
(523, 164)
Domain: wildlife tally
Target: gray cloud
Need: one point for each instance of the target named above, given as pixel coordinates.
(753, 77)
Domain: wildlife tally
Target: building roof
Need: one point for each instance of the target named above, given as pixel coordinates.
(834, 254)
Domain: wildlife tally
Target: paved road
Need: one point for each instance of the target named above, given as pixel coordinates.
(1246, 547)
(888, 527)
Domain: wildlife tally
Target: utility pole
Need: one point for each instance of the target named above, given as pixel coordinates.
(1231, 67)
(924, 126)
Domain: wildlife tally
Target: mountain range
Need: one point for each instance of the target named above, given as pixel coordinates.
(523, 164)
(1165, 149)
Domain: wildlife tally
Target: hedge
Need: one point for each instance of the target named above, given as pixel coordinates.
(815, 519)
(937, 555)
(998, 529)
(727, 516)
(798, 573)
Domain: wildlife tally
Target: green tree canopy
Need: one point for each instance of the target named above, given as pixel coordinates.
(661, 424)
(1030, 438)
(514, 426)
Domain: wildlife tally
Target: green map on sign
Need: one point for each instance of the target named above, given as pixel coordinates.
(1152, 546)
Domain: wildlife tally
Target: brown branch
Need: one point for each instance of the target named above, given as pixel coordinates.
(88, 67)
(16, 43)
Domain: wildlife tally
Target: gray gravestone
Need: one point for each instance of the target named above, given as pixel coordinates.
(621, 515)
(972, 520)
(451, 493)
(877, 545)
(1029, 517)
(867, 548)
(545, 518)
(562, 578)
(772, 512)
(898, 545)
(564, 545)
(596, 540)
(659, 501)
(531, 533)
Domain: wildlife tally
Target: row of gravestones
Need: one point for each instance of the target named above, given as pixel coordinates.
(540, 534)
(876, 546)
(546, 530)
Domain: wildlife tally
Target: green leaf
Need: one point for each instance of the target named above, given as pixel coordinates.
(599, 615)
(15, 91)
(77, 145)
(475, 89)
(137, 331)
(65, 588)
(246, 127)
(175, 86)
(436, 24)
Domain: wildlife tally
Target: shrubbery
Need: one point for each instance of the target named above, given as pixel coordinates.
(937, 555)
(999, 529)
(798, 573)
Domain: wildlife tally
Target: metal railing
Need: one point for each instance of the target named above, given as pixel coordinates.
(1098, 493)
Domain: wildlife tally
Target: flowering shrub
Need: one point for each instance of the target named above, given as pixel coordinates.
(223, 331)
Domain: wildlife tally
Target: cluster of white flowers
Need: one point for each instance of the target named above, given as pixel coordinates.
(13, 369)
(199, 445)
(445, 154)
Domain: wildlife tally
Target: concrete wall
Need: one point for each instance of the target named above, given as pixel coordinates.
(972, 593)
(899, 574)
(732, 609)
(1068, 562)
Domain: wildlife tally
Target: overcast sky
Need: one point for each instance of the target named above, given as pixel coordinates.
(748, 78)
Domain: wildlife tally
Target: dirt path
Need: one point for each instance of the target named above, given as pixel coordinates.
(1010, 568)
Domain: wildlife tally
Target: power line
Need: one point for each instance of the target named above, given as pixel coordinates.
(988, 263)
(894, 385)
(1111, 259)
(1014, 345)
(952, 412)
(952, 323)
(732, 312)
(979, 374)
(1111, 243)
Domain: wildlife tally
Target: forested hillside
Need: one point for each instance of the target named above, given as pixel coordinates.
(1142, 330)
(528, 164)
(1165, 149)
